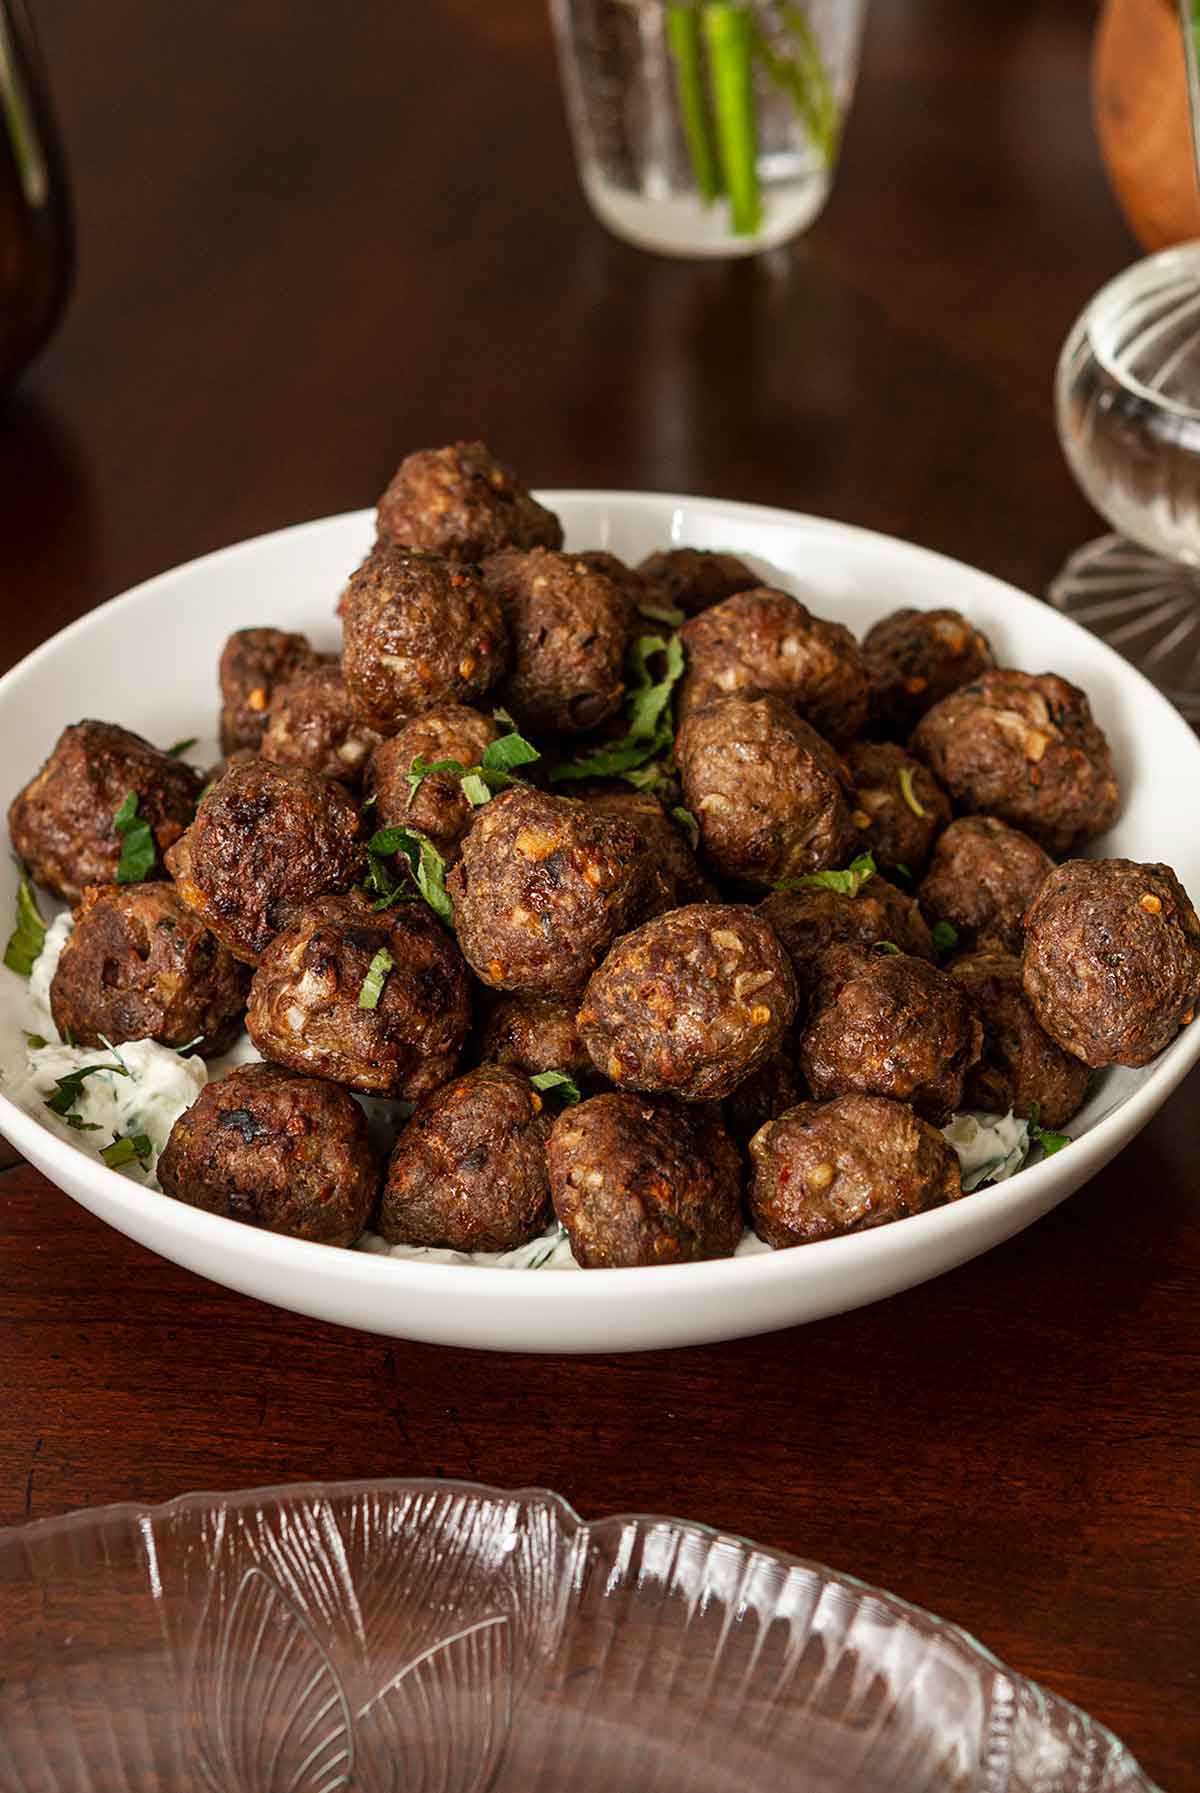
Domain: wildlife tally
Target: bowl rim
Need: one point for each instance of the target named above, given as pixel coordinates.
(559, 1292)
(84, 1519)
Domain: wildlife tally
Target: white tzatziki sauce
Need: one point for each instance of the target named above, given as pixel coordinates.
(143, 1088)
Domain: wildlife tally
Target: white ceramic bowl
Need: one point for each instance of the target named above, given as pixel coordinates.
(148, 660)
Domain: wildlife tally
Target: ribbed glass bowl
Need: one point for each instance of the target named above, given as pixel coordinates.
(398, 1636)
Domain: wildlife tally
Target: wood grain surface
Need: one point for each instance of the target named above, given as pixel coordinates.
(311, 238)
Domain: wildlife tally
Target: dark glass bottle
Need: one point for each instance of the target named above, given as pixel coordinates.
(35, 224)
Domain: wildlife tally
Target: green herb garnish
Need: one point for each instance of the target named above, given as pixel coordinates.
(1042, 1136)
(647, 707)
(67, 1090)
(944, 936)
(689, 825)
(138, 848)
(847, 883)
(426, 868)
(29, 936)
(35, 1042)
(492, 774)
(564, 1087)
(886, 946)
(372, 985)
(903, 871)
(174, 752)
(669, 615)
(909, 794)
(125, 1148)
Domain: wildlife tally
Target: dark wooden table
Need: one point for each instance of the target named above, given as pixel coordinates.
(307, 246)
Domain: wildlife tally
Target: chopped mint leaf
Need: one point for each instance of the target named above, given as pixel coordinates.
(658, 611)
(903, 871)
(689, 825)
(909, 794)
(476, 789)
(564, 1087)
(372, 986)
(125, 1148)
(174, 752)
(508, 751)
(138, 848)
(1042, 1136)
(68, 1089)
(28, 937)
(886, 946)
(647, 706)
(426, 868)
(35, 1042)
(847, 883)
(944, 936)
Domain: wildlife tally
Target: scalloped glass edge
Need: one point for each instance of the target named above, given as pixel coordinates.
(674, 1554)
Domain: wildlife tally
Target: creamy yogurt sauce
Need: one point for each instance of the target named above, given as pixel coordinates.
(144, 1088)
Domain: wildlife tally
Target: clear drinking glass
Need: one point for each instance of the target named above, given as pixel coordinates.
(707, 127)
(1128, 407)
(35, 227)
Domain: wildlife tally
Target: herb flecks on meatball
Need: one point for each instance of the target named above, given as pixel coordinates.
(1022, 1068)
(914, 658)
(542, 889)
(770, 796)
(901, 808)
(311, 722)
(643, 1180)
(265, 839)
(311, 1006)
(982, 878)
(62, 823)
(567, 627)
(468, 1172)
(419, 632)
(859, 1161)
(460, 502)
(690, 1003)
(139, 965)
(437, 807)
(1025, 748)
(1111, 964)
(279, 1151)
(889, 1025)
(764, 640)
(253, 663)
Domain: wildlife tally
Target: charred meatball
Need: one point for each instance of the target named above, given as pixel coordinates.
(534, 1034)
(306, 1002)
(277, 1150)
(642, 1180)
(1022, 1068)
(983, 877)
(767, 1093)
(62, 822)
(567, 627)
(138, 965)
(461, 503)
(468, 1172)
(914, 658)
(675, 876)
(1112, 959)
(691, 1003)
(889, 1025)
(253, 663)
(905, 807)
(265, 839)
(814, 917)
(770, 796)
(312, 723)
(1024, 748)
(437, 807)
(542, 889)
(419, 632)
(827, 1168)
(694, 579)
(764, 640)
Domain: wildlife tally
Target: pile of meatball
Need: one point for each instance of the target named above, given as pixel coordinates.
(771, 965)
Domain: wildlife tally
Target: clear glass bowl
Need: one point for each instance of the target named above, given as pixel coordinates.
(452, 1639)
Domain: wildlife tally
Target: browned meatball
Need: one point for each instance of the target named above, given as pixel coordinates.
(690, 1003)
(809, 920)
(643, 1180)
(828, 1168)
(767, 1093)
(889, 1025)
(419, 632)
(1022, 1068)
(771, 797)
(914, 658)
(276, 1150)
(764, 640)
(537, 1033)
(138, 965)
(253, 663)
(542, 889)
(437, 807)
(906, 806)
(694, 579)
(305, 1002)
(460, 502)
(265, 839)
(567, 627)
(1024, 748)
(312, 723)
(631, 587)
(468, 1172)
(983, 877)
(62, 822)
(675, 876)
(1112, 959)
